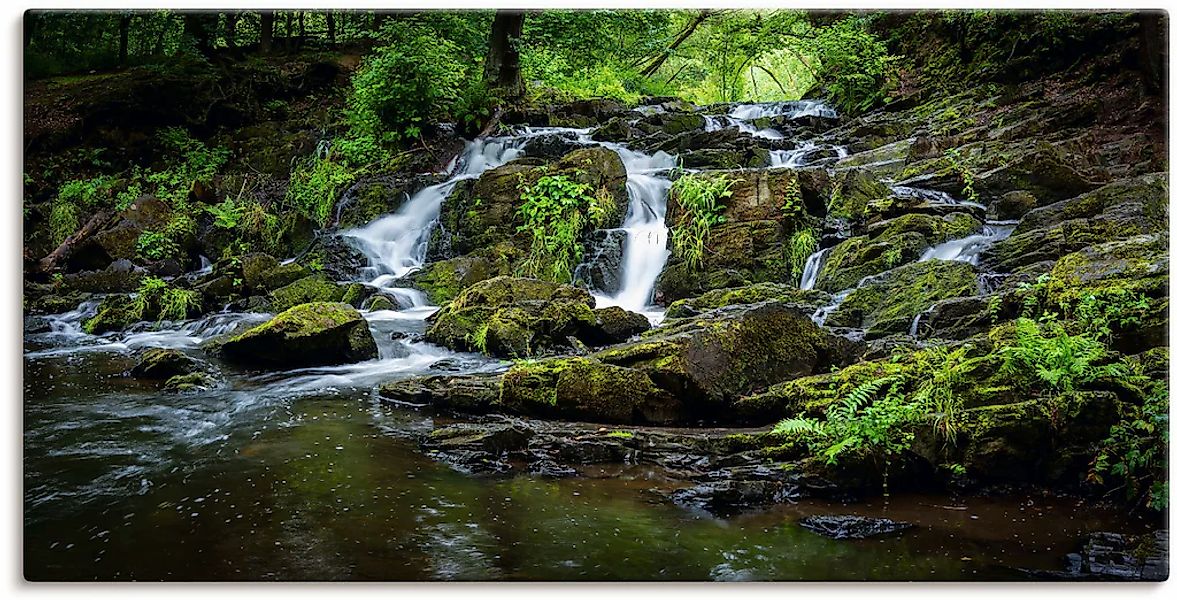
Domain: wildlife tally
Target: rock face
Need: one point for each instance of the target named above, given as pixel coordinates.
(317, 333)
(513, 317)
(163, 363)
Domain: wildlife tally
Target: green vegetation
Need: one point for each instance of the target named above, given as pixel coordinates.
(315, 185)
(1134, 453)
(155, 296)
(553, 213)
(701, 198)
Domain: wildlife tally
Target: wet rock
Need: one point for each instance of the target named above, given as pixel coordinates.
(808, 300)
(889, 244)
(614, 325)
(373, 197)
(1011, 205)
(709, 361)
(120, 276)
(585, 389)
(263, 273)
(335, 257)
(852, 527)
(118, 239)
(1119, 210)
(472, 394)
(1119, 557)
(313, 288)
(443, 280)
(601, 270)
(481, 214)
(513, 317)
(163, 363)
(551, 469)
(189, 382)
(888, 303)
(318, 333)
(115, 313)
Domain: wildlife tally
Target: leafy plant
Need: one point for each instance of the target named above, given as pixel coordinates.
(1135, 452)
(155, 296)
(156, 245)
(315, 184)
(801, 244)
(1044, 355)
(553, 213)
(958, 166)
(701, 199)
(856, 69)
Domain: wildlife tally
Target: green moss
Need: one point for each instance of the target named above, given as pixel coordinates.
(584, 388)
(314, 288)
(625, 435)
(115, 313)
(889, 303)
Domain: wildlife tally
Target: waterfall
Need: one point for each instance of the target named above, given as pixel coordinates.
(644, 252)
(396, 244)
(968, 249)
(813, 266)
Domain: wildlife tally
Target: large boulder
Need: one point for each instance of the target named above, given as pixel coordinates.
(163, 363)
(513, 317)
(586, 389)
(888, 303)
(443, 280)
(317, 333)
(312, 288)
(117, 240)
(711, 360)
(373, 197)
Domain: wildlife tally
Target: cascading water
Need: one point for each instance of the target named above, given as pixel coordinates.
(968, 249)
(813, 266)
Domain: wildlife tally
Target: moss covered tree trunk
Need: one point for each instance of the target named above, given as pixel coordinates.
(501, 70)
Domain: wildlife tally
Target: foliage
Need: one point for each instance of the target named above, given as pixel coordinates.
(1135, 452)
(856, 68)
(315, 184)
(959, 167)
(801, 244)
(553, 213)
(879, 415)
(198, 163)
(402, 84)
(170, 303)
(1045, 356)
(473, 107)
(701, 199)
(75, 198)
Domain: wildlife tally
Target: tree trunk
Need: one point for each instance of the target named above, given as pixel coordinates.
(196, 25)
(30, 28)
(287, 42)
(1154, 49)
(266, 33)
(682, 37)
(302, 27)
(54, 260)
(124, 35)
(501, 70)
(331, 29)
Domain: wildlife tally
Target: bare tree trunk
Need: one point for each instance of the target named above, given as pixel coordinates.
(330, 29)
(30, 28)
(287, 42)
(302, 27)
(1154, 49)
(196, 25)
(501, 70)
(266, 35)
(124, 35)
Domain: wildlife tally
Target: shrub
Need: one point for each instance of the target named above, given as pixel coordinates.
(1134, 454)
(315, 184)
(856, 69)
(403, 84)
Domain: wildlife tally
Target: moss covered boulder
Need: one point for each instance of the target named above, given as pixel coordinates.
(115, 313)
(317, 333)
(313, 288)
(513, 317)
(163, 363)
(581, 388)
(263, 273)
(443, 280)
(1126, 208)
(118, 239)
(889, 244)
(711, 360)
(481, 214)
(889, 302)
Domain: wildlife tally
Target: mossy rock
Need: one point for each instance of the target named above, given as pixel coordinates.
(163, 363)
(373, 197)
(313, 288)
(316, 333)
(443, 280)
(469, 394)
(115, 313)
(1120, 210)
(263, 273)
(749, 294)
(712, 360)
(855, 191)
(586, 389)
(189, 382)
(890, 302)
(889, 244)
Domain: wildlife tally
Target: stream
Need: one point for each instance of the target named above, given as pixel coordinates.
(307, 475)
